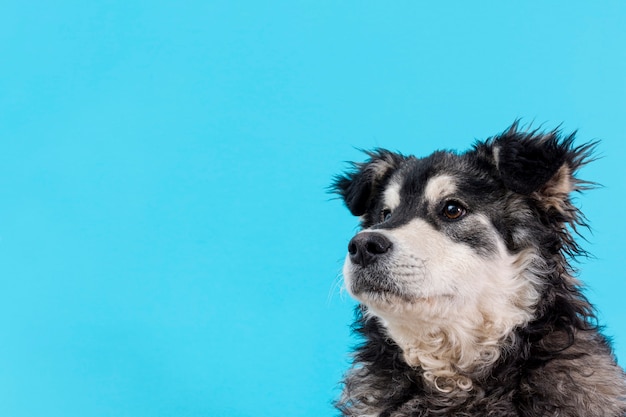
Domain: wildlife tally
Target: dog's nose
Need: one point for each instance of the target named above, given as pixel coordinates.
(366, 248)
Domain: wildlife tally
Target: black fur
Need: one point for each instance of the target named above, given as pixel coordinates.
(526, 162)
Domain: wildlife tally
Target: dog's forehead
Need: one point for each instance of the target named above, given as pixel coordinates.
(429, 179)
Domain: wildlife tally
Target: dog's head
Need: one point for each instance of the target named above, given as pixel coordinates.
(450, 243)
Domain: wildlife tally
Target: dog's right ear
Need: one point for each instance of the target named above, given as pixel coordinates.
(359, 186)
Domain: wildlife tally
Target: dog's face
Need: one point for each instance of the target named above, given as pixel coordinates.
(434, 241)
(449, 243)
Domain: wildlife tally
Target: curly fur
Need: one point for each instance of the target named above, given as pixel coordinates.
(526, 344)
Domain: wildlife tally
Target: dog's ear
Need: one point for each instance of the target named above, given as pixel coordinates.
(540, 164)
(359, 186)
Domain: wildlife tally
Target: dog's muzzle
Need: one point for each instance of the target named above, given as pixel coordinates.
(368, 247)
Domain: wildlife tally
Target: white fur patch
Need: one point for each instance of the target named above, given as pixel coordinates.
(439, 187)
(391, 195)
(496, 156)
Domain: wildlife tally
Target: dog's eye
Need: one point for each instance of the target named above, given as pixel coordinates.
(453, 210)
(385, 214)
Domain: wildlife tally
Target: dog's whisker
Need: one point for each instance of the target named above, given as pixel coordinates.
(336, 287)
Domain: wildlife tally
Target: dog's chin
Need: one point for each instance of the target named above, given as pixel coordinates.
(386, 300)
(364, 286)
(387, 295)
(379, 298)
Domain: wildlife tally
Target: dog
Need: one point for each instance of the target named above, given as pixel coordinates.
(468, 302)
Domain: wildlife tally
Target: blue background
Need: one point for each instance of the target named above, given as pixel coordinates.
(167, 245)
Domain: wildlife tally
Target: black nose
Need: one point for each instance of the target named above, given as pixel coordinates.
(366, 248)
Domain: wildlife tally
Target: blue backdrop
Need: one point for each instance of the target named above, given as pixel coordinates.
(167, 245)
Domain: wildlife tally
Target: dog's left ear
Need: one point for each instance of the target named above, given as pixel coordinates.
(539, 164)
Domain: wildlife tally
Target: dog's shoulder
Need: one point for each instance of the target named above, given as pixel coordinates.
(582, 380)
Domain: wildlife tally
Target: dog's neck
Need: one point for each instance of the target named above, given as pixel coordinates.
(450, 354)
(458, 343)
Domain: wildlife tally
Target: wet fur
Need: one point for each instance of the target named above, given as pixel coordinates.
(551, 359)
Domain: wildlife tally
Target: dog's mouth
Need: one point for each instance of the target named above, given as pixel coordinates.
(381, 286)
(364, 281)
